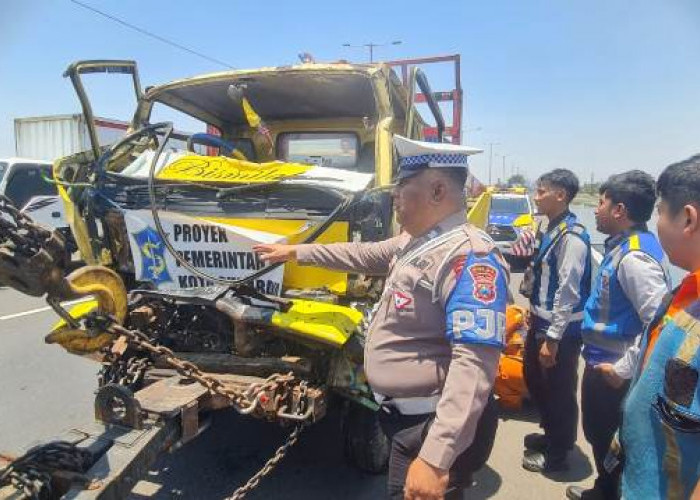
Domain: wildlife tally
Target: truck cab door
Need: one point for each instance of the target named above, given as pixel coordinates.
(79, 68)
(418, 79)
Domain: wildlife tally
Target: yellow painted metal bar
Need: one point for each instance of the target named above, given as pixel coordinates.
(478, 215)
(329, 324)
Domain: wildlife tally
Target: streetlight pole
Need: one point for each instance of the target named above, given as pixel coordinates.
(491, 145)
(372, 45)
(504, 168)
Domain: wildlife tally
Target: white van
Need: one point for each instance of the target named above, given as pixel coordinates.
(24, 182)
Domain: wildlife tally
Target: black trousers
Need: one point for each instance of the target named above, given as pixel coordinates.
(553, 390)
(407, 433)
(601, 411)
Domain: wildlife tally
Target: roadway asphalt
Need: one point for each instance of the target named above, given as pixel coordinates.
(45, 391)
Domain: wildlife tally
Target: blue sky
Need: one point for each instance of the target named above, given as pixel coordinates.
(598, 86)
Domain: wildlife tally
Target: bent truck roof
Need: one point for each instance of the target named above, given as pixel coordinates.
(306, 91)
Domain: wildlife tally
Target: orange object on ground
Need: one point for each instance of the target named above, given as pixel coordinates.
(510, 383)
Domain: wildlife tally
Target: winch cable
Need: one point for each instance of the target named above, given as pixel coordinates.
(347, 201)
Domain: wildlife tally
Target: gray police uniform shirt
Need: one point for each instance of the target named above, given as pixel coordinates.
(439, 326)
(645, 282)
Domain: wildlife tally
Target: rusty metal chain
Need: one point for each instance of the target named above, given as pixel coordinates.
(30, 474)
(245, 401)
(129, 372)
(185, 368)
(254, 481)
(19, 230)
(29, 481)
(33, 258)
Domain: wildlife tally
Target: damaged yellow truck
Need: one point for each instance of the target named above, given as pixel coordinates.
(165, 223)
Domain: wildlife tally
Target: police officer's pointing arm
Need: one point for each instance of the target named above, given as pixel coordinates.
(365, 258)
(474, 296)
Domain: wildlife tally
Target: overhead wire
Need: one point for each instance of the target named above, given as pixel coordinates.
(151, 34)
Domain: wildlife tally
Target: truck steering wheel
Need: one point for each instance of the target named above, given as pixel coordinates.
(142, 137)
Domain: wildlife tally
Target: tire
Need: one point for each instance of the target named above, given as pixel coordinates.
(365, 445)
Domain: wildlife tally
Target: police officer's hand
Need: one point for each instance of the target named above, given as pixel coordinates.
(548, 353)
(425, 482)
(610, 375)
(273, 254)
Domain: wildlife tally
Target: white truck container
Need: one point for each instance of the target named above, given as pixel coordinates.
(51, 137)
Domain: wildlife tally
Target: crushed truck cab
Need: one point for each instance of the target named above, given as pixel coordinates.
(293, 154)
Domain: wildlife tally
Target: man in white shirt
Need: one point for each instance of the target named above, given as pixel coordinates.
(628, 289)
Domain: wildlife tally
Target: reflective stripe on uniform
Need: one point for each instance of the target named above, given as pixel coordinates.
(546, 315)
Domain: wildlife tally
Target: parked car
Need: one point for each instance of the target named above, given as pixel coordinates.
(27, 183)
(510, 212)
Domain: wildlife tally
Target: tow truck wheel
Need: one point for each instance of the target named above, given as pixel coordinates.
(365, 445)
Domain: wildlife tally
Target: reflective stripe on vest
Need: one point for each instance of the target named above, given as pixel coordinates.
(546, 281)
(610, 322)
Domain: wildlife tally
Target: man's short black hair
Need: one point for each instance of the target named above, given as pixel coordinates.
(679, 184)
(635, 189)
(561, 178)
(457, 176)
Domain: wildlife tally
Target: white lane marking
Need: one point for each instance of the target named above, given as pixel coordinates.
(42, 309)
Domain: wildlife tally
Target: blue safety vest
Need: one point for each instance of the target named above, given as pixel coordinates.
(610, 322)
(661, 424)
(546, 272)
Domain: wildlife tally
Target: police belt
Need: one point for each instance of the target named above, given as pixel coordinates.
(409, 406)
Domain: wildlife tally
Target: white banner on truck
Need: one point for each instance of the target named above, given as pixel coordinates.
(217, 249)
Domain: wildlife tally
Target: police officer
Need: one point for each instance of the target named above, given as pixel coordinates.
(435, 339)
(661, 418)
(628, 289)
(557, 283)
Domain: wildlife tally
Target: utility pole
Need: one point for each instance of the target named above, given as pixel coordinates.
(491, 145)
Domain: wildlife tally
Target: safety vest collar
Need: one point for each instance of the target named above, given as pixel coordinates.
(559, 219)
(616, 240)
(680, 298)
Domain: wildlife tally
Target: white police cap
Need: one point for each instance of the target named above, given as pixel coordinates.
(415, 156)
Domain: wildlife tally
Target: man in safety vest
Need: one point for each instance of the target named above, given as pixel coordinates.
(435, 339)
(628, 289)
(660, 432)
(557, 284)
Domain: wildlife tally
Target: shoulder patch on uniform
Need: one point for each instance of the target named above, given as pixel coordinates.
(484, 282)
(475, 310)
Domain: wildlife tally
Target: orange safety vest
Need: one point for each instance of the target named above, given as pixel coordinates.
(686, 293)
